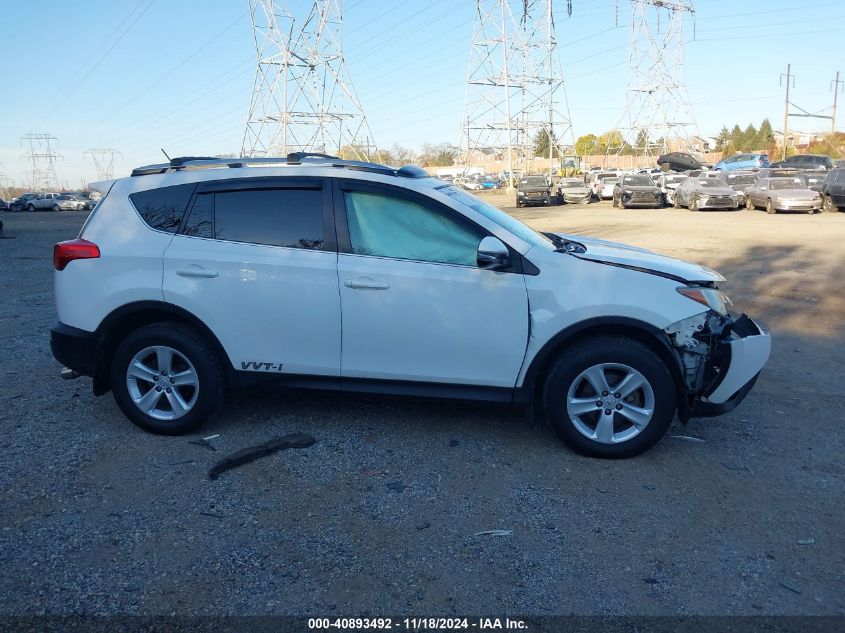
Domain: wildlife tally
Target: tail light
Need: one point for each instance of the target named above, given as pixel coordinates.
(66, 252)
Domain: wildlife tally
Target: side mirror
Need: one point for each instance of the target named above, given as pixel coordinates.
(492, 254)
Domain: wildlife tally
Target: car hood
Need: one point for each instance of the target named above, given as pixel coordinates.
(533, 189)
(715, 191)
(795, 194)
(640, 189)
(575, 191)
(636, 258)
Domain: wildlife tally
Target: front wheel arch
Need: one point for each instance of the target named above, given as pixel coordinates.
(645, 333)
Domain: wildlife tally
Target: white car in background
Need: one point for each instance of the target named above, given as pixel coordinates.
(189, 278)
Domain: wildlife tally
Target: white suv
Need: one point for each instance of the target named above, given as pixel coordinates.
(199, 275)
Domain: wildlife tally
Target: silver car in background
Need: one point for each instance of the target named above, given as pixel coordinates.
(572, 191)
(706, 192)
(783, 194)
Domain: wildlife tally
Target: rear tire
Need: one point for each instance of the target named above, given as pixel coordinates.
(193, 372)
(568, 395)
(30, 208)
(56, 208)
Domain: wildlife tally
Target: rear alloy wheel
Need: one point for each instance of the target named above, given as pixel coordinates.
(30, 208)
(610, 397)
(828, 206)
(769, 206)
(56, 207)
(167, 379)
(750, 205)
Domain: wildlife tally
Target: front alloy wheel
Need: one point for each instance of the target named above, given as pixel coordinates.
(609, 396)
(827, 205)
(610, 403)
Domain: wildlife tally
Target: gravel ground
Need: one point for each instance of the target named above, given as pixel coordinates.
(379, 515)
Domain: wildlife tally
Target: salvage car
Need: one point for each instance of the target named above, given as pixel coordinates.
(604, 187)
(807, 161)
(67, 202)
(668, 183)
(594, 182)
(740, 181)
(833, 190)
(21, 202)
(637, 190)
(783, 194)
(742, 161)
(705, 192)
(362, 277)
(533, 189)
(678, 161)
(572, 191)
(814, 179)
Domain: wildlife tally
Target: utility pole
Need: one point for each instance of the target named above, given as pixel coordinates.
(302, 97)
(658, 117)
(789, 78)
(835, 84)
(515, 89)
(103, 161)
(41, 151)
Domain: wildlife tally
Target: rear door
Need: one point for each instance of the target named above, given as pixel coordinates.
(255, 259)
(836, 190)
(416, 306)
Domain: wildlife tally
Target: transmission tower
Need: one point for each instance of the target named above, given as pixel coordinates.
(658, 117)
(42, 158)
(515, 88)
(302, 98)
(103, 161)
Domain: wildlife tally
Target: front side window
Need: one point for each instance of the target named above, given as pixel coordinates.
(386, 226)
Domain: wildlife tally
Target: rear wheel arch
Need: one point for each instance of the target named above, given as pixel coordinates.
(647, 334)
(126, 319)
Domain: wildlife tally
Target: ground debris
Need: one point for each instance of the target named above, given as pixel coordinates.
(688, 438)
(806, 541)
(206, 441)
(251, 453)
(396, 486)
(792, 588)
(494, 533)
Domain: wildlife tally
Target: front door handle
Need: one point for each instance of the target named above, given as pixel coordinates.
(366, 283)
(196, 271)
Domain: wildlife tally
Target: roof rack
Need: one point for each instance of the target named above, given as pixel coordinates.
(294, 158)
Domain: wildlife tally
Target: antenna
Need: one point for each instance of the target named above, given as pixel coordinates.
(658, 116)
(302, 99)
(515, 91)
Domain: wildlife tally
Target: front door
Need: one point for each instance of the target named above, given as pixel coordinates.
(257, 263)
(415, 304)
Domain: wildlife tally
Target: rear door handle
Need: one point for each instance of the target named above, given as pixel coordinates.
(366, 283)
(196, 271)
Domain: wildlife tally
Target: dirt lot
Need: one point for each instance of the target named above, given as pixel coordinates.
(379, 516)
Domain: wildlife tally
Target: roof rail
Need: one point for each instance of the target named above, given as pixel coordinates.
(294, 158)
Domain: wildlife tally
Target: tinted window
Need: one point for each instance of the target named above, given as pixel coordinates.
(276, 217)
(385, 226)
(163, 208)
(200, 219)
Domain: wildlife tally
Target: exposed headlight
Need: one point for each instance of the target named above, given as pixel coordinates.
(714, 299)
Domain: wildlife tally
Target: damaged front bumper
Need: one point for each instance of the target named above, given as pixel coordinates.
(721, 357)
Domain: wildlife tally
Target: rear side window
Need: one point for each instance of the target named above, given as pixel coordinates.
(162, 209)
(292, 218)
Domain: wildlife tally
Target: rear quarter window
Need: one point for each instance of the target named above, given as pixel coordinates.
(162, 209)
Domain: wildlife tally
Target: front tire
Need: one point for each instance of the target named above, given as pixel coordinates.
(56, 208)
(167, 378)
(770, 209)
(676, 203)
(750, 205)
(610, 397)
(828, 206)
(693, 205)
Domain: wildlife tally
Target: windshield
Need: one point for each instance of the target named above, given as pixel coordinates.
(671, 180)
(638, 180)
(786, 183)
(571, 184)
(533, 181)
(609, 181)
(711, 183)
(494, 214)
(742, 179)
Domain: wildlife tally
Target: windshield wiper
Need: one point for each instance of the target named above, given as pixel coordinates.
(563, 245)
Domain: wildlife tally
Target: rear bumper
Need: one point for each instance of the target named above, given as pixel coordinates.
(747, 350)
(75, 348)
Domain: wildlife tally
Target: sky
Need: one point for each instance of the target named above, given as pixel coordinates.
(138, 75)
